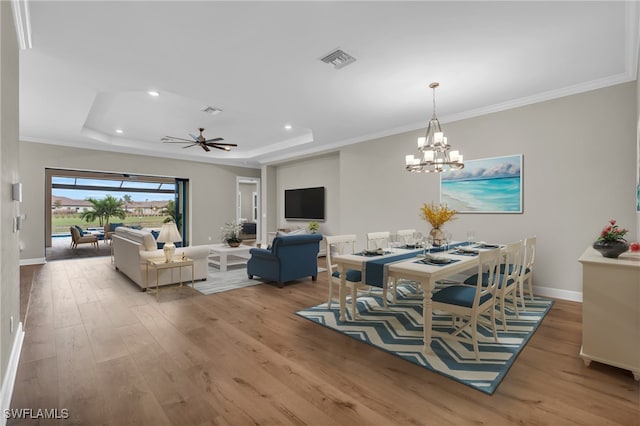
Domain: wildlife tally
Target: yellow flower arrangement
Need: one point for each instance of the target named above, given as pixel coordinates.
(437, 215)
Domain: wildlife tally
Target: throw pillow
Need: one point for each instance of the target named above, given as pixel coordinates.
(113, 226)
(80, 230)
(294, 232)
(149, 242)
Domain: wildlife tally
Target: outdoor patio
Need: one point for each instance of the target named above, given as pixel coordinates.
(61, 249)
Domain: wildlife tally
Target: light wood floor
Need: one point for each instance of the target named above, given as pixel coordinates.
(111, 354)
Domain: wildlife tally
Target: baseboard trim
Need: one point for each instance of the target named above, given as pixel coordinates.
(6, 392)
(35, 261)
(574, 296)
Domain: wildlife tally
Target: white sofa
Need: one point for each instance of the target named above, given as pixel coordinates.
(132, 247)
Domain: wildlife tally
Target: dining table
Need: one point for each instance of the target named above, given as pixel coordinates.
(410, 264)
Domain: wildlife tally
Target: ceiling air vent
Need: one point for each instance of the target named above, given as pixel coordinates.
(210, 110)
(338, 59)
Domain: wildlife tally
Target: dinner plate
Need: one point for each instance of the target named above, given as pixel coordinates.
(436, 260)
(466, 250)
(372, 252)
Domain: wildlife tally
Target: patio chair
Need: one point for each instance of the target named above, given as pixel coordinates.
(78, 238)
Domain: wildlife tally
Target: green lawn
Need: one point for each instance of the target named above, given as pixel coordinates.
(60, 223)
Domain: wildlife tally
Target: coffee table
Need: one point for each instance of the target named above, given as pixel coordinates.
(219, 255)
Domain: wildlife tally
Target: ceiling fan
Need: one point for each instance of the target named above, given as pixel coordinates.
(200, 140)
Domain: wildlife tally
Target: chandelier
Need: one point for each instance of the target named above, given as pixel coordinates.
(434, 155)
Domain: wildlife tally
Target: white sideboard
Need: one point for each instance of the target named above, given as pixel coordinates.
(611, 310)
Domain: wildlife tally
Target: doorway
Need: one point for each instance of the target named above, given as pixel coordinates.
(248, 206)
(139, 201)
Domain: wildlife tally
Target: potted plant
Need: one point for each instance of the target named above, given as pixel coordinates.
(611, 242)
(231, 233)
(437, 215)
(313, 227)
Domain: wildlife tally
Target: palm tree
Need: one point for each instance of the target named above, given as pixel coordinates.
(103, 210)
(170, 210)
(126, 198)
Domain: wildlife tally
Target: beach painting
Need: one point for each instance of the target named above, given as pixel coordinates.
(489, 185)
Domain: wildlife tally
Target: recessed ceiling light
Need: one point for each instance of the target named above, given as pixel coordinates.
(153, 93)
(211, 110)
(119, 131)
(288, 127)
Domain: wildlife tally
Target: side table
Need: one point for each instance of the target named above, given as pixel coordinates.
(160, 263)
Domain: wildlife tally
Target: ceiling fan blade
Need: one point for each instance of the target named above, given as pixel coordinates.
(194, 137)
(173, 138)
(214, 140)
(189, 146)
(223, 144)
(219, 147)
(205, 147)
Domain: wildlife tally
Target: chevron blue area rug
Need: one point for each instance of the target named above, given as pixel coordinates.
(398, 330)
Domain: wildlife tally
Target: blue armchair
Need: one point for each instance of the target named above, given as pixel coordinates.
(291, 257)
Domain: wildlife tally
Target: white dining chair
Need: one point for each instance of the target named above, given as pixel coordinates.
(526, 271)
(467, 304)
(376, 240)
(405, 236)
(343, 244)
(507, 281)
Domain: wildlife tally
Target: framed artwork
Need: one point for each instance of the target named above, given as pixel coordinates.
(488, 185)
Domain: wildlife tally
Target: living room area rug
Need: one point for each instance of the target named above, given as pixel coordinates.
(234, 278)
(218, 282)
(398, 330)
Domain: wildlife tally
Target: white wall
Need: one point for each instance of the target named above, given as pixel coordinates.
(212, 188)
(311, 172)
(10, 340)
(579, 171)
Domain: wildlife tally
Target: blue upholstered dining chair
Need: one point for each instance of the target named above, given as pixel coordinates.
(290, 257)
(468, 304)
(508, 279)
(343, 244)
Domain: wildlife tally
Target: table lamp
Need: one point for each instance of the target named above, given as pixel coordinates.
(168, 235)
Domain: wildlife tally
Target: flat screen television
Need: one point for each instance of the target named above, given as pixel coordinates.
(304, 203)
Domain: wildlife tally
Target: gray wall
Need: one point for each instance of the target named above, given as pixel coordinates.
(637, 238)
(579, 171)
(212, 187)
(307, 173)
(9, 174)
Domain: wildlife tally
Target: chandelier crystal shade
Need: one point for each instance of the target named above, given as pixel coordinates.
(434, 153)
